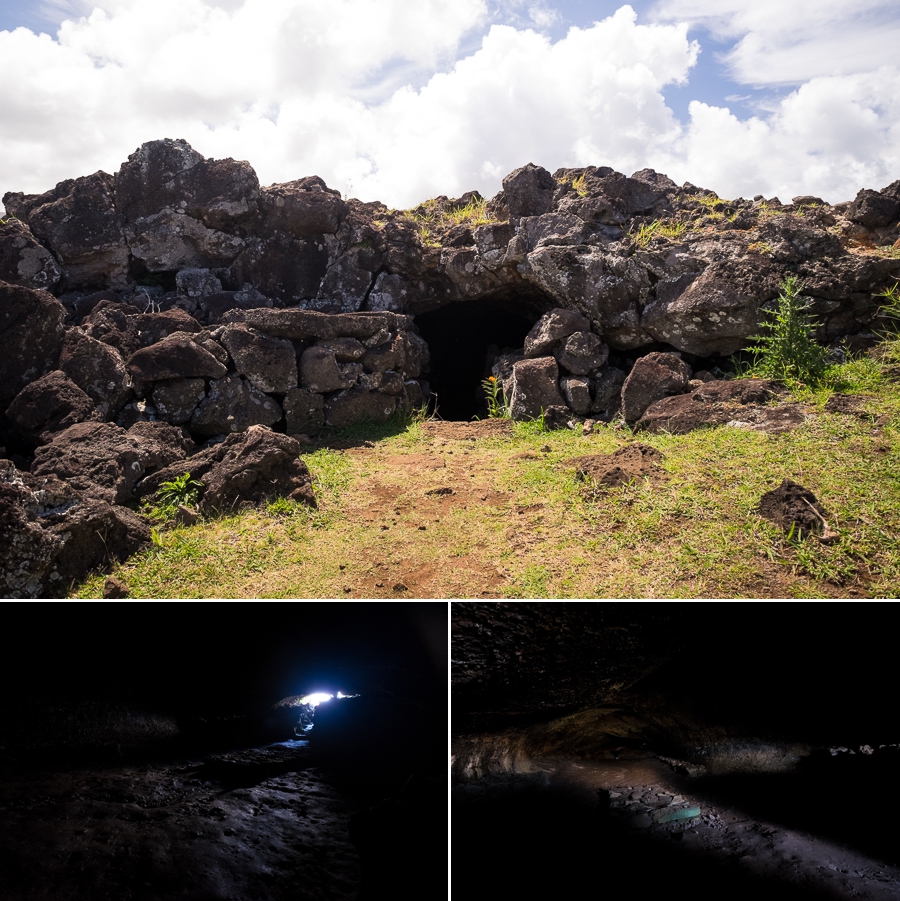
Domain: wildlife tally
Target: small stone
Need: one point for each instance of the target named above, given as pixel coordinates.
(399, 586)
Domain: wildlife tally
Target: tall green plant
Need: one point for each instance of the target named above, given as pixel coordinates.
(787, 350)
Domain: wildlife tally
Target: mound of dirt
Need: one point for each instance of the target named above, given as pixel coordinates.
(625, 465)
(792, 506)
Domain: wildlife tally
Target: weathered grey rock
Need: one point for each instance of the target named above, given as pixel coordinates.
(23, 260)
(174, 357)
(79, 221)
(48, 405)
(359, 405)
(269, 363)
(581, 353)
(53, 536)
(31, 337)
(347, 281)
(302, 208)
(607, 288)
(711, 314)
(115, 324)
(389, 292)
(492, 243)
(247, 468)
(529, 191)
(873, 209)
(300, 325)
(387, 382)
(169, 174)
(233, 405)
(304, 412)
(176, 399)
(551, 328)
(170, 241)
(197, 284)
(101, 460)
(577, 392)
(98, 369)
(554, 229)
(653, 377)
(319, 371)
(535, 387)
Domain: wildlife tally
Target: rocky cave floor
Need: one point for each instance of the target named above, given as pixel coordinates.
(265, 824)
(579, 827)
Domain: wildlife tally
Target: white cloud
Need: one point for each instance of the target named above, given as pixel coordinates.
(370, 95)
(288, 86)
(779, 43)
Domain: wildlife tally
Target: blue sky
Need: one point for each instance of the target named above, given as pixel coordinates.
(399, 102)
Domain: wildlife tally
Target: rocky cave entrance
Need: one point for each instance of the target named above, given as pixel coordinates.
(465, 337)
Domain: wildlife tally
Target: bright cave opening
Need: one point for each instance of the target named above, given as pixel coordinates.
(465, 338)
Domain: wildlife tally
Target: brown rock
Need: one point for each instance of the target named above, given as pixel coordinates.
(31, 337)
(23, 260)
(535, 388)
(101, 460)
(304, 412)
(55, 536)
(711, 404)
(302, 208)
(174, 357)
(269, 363)
(359, 405)
(48, 405)
(249, 467)
(79, 221)
(176, 399)
(233, 405)
(551, 328)
(653, 377)
(98, 369)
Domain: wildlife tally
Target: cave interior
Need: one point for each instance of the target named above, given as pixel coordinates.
(743, 749)
(160, 751)
(464, 339)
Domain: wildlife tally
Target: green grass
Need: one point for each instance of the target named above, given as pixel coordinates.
(519, 523)
(660, 228)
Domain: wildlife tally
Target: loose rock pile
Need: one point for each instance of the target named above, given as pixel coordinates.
(177, 302)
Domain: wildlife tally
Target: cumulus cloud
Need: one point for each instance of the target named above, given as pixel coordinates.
(778, 43)
(398, 102)
(296, 88)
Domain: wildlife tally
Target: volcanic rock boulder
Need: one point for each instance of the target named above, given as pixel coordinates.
(874, 209)
(54, 535)
(714, 403)
(270, 364)
(48, 405)
(31, 337)
(302, 208)
(551, 329)
(654, 376)
(233, 405)
(102, 460)
(79, 220)
(98, 369)
(23, 261)
(529, 191)
(246, 468)
(175, 357)
(535, 388)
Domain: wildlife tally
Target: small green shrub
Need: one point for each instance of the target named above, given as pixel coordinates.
(182, 490)
(787, 350)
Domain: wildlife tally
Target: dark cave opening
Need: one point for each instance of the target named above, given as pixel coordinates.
(464, 339)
